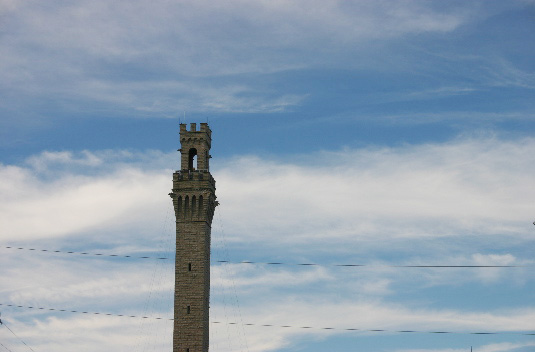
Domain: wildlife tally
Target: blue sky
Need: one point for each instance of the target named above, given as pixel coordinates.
(381, 133)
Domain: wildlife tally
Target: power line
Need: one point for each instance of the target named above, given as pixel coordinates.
(383, 330)
(77, 311)
(377, 265)
(296, 326)
(277, 263)
(83, 253)
(1, 344)
(3, 323)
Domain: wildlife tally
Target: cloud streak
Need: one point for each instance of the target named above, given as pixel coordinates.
(469, 187)
(326, 207)
(151, 59)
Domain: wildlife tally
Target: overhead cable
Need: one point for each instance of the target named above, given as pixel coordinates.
(84, 253)
(1, 344)
(384, 330)
(77, 311)
(297, 326)
(274, 263)
(4, 324)
(376, 265)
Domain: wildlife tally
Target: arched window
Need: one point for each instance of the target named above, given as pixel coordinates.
(192, 159)
(193, 206)
(186, 206)
(200, 206)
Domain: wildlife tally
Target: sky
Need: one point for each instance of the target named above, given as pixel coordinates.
(381, 133)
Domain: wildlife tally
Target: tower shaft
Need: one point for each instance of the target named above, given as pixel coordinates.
(194, 202)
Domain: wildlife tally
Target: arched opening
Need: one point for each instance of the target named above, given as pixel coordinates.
(193, 206)
(192, 159)
(200, 206)
(186, 207)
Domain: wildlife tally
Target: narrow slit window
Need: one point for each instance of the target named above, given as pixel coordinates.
(188, 310)
(189, 266)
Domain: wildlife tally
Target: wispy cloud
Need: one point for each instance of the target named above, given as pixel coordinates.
(342, 315)
(495, 347)
(472, 188)
(410, 192)
(370, 204)
(152, 58)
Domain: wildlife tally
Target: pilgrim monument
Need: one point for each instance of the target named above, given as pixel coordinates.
(194, 202)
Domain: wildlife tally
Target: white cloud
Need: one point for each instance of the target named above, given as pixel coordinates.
(77, 204)
(260, 278)
(495, 347)
(82, 282)
(211, 31)
(368, 315)
(460, 189)
(469, 189)
(88, 50)
(6, 6)
(63, 204)
(501, 72)
(159, 59)
(421, 203)
(48, 160)
(88, 333)
(344, 314)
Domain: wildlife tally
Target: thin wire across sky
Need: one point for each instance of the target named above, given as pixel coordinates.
(272, 263)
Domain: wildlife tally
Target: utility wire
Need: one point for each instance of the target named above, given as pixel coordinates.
(383, 330)
(77, 311)
(83, 253)
(279, 263)
(377, 265)
(301, 327)
(1, 344)
(231, 272)
(3, 323)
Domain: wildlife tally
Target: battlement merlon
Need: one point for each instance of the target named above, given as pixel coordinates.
(193, 130)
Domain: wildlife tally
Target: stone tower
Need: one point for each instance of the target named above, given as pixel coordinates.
(194, 201)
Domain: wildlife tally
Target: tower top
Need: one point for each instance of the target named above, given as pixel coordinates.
(193, 128)
(195, 147)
